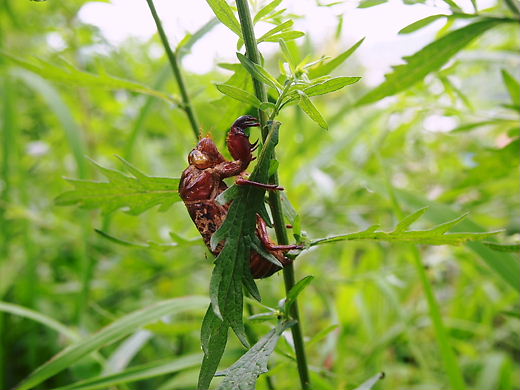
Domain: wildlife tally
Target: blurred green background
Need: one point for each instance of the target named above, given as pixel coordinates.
(365, 312)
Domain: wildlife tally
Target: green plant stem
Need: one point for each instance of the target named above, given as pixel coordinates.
(274, 197)
(176, 72)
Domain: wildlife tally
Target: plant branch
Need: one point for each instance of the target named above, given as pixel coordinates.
(186, 104)
(274, 197)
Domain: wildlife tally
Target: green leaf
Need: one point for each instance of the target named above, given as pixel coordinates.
(110, 334)
(245, 372)
(513, 86)
(330, 85)
(239, 94)
(295, 291)
(38, 317)
(184, 47)
(259, 72)
(132, 374)
(287, 35)
(150, 244)
(434, 236)
(309, 108)
(138, 193)
(213, 335)
(421, 23)
(429, 59)
(281, 27)
(370, 3)
(326, 68)
(225, 14)
(74, 76)
(502, 247)
(270, 7)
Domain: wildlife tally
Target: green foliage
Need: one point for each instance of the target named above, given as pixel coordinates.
(137, 194)
(110, 334)
(429, 59)
(243, 374)
(435, 236)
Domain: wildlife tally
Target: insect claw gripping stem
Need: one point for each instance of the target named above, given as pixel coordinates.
(269, 187)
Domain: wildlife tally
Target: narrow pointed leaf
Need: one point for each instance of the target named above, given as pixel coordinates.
(429, 59)
(239, 94)
(110, 334)
(513, 86)
(259, 72)
(295, 291)
(407, 221)
(309, 108)
(225, 14)
(270, 7)
(420, 24)
(330, 85)
(327, 67)
(281, 27)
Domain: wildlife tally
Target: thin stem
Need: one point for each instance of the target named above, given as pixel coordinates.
(176, 72)
(274, 197)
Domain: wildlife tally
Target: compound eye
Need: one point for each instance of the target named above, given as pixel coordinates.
(199, 159)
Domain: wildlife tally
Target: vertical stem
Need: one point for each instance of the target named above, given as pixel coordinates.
(274, 197)
(176, 72)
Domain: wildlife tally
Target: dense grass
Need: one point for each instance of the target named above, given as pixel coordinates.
(428, 316)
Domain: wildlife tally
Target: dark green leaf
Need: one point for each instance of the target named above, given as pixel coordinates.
(326, 68)
(225, 14)
(295, 291)
(244, 373)
(213, 335)
(309, 108)
(138, 193)
(429, 59)
(420, 24)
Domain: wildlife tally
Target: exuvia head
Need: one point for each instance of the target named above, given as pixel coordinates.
(205, 155)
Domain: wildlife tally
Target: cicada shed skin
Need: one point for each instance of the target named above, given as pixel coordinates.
(203, 181)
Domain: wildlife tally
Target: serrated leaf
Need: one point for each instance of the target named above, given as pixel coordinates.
(245, 372)
(239, 94)
(326, 68)
(110, 334)
(71, 75)
(295, 291)
(270, 7)
(513, 87)
(330, 85)
(225, 14)
(421, 23)
(309, 108)
(434, 236)
(138, 193)
(136, 373)
(259, 72)
(429, 59)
